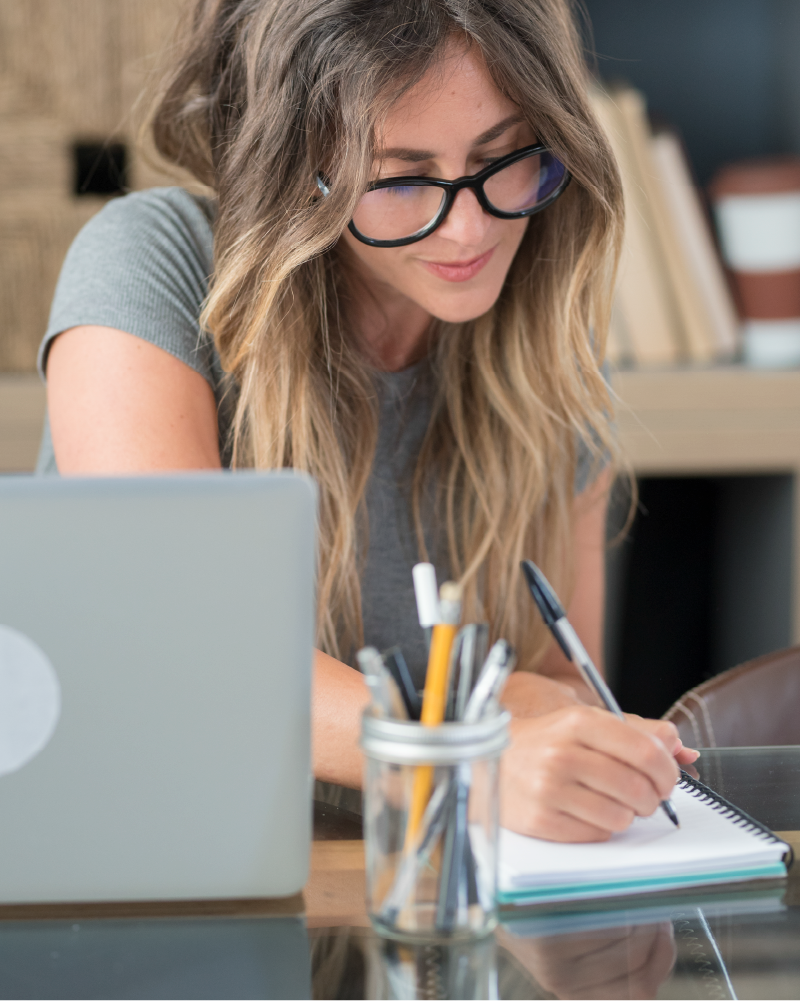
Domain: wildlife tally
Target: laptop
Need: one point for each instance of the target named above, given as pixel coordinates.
(156, 641)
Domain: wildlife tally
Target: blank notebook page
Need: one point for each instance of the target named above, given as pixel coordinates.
(709, 843)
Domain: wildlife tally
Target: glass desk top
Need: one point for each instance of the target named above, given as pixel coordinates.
(762, 781)
(732, 943)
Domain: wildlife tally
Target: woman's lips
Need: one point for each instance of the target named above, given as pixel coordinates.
(458, 271)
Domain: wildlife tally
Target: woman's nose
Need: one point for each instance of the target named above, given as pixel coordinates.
(466, 222)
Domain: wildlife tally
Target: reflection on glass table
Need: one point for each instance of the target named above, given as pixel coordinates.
(746, 948)
(169, 957)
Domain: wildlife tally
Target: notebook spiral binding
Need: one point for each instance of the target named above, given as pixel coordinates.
(702, 792)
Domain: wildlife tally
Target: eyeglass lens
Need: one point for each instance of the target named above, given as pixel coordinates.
(403, 210)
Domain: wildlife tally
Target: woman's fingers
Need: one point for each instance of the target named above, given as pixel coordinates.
(638, 747)
(623, 790)
(581, 774)
(617, 782)
(594, 809)
(668, 734)
(686, 755)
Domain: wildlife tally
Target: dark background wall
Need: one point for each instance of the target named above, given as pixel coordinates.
(725, 73)
(702, 582)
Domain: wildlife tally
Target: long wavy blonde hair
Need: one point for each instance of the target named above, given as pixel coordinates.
(263, 94)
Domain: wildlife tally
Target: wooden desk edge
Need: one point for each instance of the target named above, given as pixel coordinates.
(246, 907)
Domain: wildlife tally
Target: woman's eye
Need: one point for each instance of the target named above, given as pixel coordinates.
(401, 190)
(489, 158)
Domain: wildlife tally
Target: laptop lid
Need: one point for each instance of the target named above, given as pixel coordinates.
(164, 753)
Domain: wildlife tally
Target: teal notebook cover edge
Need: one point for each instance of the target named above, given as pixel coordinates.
(585, 891)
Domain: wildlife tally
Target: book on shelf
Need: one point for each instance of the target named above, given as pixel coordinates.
(691, 223)
(643, 307)
(672, 302)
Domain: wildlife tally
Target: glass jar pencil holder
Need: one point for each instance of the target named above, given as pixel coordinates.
(430, 825)
(457, 968)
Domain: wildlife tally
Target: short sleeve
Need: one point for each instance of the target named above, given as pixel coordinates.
(142, 265)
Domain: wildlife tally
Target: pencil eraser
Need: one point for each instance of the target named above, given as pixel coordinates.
(426, 593)
(450, 591)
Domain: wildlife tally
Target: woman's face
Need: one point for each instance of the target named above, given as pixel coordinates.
(453, 122)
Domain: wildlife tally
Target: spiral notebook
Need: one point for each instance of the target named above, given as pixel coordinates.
(716, 843)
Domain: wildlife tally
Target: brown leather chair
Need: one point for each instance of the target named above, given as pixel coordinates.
(754, 705)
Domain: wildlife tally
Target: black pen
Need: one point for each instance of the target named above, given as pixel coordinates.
(556, 620)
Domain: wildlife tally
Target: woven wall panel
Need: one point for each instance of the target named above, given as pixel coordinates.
(70, 71)
(36, 157)
(147, 30)
(34, 237)
(60, 59)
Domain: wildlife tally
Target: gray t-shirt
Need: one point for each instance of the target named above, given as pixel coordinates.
(142, 265)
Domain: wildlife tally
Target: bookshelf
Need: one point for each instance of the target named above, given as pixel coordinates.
(726, 421)
(725, 438)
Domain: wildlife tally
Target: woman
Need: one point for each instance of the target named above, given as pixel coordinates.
(423, 351)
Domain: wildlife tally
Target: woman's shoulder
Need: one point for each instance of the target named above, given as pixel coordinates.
(141, 265)
(166, 218)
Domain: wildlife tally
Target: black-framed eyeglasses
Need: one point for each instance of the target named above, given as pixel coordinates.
(402, 210)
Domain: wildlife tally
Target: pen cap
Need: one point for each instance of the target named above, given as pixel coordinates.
(545, 597)
(426, 591)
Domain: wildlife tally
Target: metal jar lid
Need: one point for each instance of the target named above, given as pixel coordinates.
(404, 742)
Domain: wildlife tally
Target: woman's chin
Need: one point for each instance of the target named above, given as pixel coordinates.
(462, 306)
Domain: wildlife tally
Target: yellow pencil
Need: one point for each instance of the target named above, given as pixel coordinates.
(434, 698)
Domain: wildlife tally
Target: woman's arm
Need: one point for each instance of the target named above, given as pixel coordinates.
(119, 404)
(339, 698)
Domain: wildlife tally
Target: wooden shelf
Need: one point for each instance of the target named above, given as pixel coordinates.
(720, 420)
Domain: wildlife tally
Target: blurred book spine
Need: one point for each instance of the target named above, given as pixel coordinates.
(672, 302)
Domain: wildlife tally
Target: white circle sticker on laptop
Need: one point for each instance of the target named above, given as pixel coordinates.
(30, 699)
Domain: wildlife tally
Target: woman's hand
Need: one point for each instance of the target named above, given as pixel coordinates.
(527, 695)
(624, 962)
(663, 730)
(580, 774)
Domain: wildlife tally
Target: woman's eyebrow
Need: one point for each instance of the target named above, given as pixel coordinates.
(420, 155)
(497, 130)
(404, 153)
